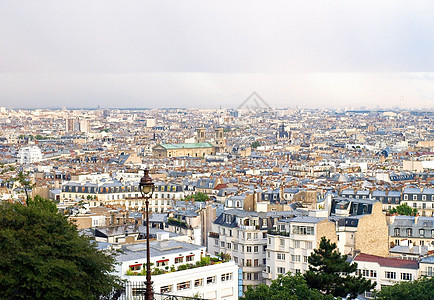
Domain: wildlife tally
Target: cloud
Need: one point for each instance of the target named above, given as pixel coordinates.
(216, 36)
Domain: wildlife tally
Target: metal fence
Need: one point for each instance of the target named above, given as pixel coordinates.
(136, 291)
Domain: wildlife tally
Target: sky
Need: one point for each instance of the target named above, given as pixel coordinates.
(171, 53)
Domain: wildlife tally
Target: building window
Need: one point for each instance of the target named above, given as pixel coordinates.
(138, 291)
(249, 236)
(282, 242)
(281, 256)
(222, 244)
(256, 262)
(296, 244)
(189, 257)
(281, 270)
(295, 258)
(405, 197)
(308, 245)
(305, 258)
(256, 249)
(373, 273)
(226, 277)
(390, 275)
(406, 276)
(229, 245)
(165, 289)
(303, 230)
(179, 259)
(235, 247)
(409, 232)
(397, 232)
(183, 285)
(235, 259)
(269, 241)
(198, 282)
(248, 263)
(421, 232)
(248, 249)
(210, 280)
(414, 197)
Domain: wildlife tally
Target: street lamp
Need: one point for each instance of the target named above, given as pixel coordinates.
(147, 188)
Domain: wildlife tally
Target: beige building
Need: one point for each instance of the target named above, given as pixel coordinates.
(185, 149)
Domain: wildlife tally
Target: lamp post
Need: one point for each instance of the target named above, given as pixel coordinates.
(147, 188)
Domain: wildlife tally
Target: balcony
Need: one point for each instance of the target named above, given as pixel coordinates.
(246, 227)
(276, 232)
(214, 235)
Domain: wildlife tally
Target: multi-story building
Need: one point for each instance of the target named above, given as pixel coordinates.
(361, 226)
(243, 235)
(293, 241)
(421, 199)
(416, 230)
(385, 271)
(28, 155)
(179, 269)
(185, 149)
(109, 191)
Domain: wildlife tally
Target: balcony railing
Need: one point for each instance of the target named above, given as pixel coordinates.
(276, 232)
(214, 235)
(137, 290)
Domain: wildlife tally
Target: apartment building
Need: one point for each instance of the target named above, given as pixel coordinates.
(110, 191)
(178, 270)
(361, 226)
(422, 199)
(291, 243)
(385, 271)
(242, 235)
(419, 231)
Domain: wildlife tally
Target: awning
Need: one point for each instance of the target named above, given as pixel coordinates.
(136, 265)
(164, 260)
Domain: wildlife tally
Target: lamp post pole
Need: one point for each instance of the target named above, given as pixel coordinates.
(147, 188)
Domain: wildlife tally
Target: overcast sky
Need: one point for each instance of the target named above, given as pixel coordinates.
(215, 53)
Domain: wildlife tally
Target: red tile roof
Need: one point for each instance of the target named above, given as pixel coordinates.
(387, 261)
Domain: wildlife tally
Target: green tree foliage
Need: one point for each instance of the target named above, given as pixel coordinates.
(255, 144)
(403, 209)
(200, 197)
(422, 289)
(285, 287)
(329, 272)
(44, 257)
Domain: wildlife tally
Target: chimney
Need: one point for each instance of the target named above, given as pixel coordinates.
(162, 236)
(112, 218)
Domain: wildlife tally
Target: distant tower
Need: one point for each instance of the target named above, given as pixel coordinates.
(220, 140)
(200, 135)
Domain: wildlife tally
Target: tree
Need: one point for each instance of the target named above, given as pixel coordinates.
(288, 286)
(255, 144)
(44, 257)
(422, 289)
(403, 209)
(329, 272)
(199, 196)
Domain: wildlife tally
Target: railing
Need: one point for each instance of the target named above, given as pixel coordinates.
(137, 290)
(275, 232)
(214, 235)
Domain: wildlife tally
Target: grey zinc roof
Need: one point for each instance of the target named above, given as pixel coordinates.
(305, 219)
(412, 190)
(157, 248)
